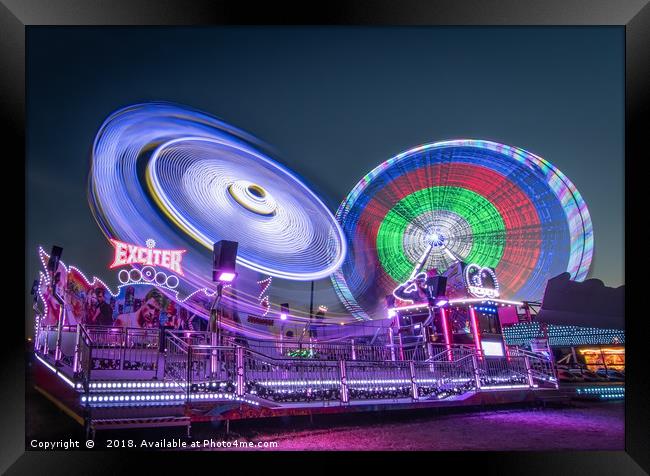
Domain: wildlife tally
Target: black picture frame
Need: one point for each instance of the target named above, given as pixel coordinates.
(633, 15)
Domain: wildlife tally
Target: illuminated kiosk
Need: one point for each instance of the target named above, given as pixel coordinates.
(465, 312)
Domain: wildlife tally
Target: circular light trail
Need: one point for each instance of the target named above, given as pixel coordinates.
(186, 178)
(486, 203)
(252, 197)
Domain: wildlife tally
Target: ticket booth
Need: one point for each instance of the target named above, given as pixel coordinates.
(469, 313)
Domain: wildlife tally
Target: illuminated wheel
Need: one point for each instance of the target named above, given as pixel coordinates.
(476, 201)
(189, 180)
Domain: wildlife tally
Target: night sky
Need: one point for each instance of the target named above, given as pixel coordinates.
(334, 102)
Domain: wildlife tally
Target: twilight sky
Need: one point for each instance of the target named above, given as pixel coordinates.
(334, 102)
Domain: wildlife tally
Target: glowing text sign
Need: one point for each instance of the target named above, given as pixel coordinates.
(474, 276)
(126, 254)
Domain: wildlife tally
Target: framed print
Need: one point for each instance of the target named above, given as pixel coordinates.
(359, 227)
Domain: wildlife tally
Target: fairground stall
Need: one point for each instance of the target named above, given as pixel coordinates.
(589, 361)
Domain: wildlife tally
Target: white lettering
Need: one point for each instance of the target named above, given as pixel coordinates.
(164, 261)
(156, 257)
(175, 264)
(120, 254)
(133, 251)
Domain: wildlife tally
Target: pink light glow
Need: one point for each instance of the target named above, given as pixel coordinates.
(477, 336)
(445, 329)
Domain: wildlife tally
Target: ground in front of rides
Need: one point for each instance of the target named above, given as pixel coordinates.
(579, 426)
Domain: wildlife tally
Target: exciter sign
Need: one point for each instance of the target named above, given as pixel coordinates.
(126, 254)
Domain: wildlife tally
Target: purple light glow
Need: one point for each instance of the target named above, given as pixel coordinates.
(226, 277)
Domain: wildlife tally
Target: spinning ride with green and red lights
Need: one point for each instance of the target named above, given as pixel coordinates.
(473, 201)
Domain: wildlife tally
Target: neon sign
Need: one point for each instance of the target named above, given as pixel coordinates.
(147, 275)
(126, 254)
(474, 276)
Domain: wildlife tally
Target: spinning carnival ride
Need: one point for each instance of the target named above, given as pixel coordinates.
(189, 180)
(472, 201)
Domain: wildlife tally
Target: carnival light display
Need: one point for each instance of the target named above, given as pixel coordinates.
(561, 335)
(476, 201)
(189, 180)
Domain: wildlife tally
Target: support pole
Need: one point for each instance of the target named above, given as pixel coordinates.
(477, 377)
(88, 370)
(344, 382)
(311, 309)
(189, 375)
(311, 302)
(46, 341)
(59, 328)
(214, 358)
(392, 344)
(529, 371)
(429, 345)
(125, 343)
(602, 357)
(414, 385)
(77, 349)
(240, 371)
(37, 331)
(215, 330)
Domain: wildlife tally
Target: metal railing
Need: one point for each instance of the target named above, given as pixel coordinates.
(292, 372)
(539, 368)
(444, 377)
(46, 342)
(349, 350)
(123, 348)
(83, 366)
(301, 380)
(368, 380)
(291, 380)
(198, 368)
(90, 349)
(502, 372)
